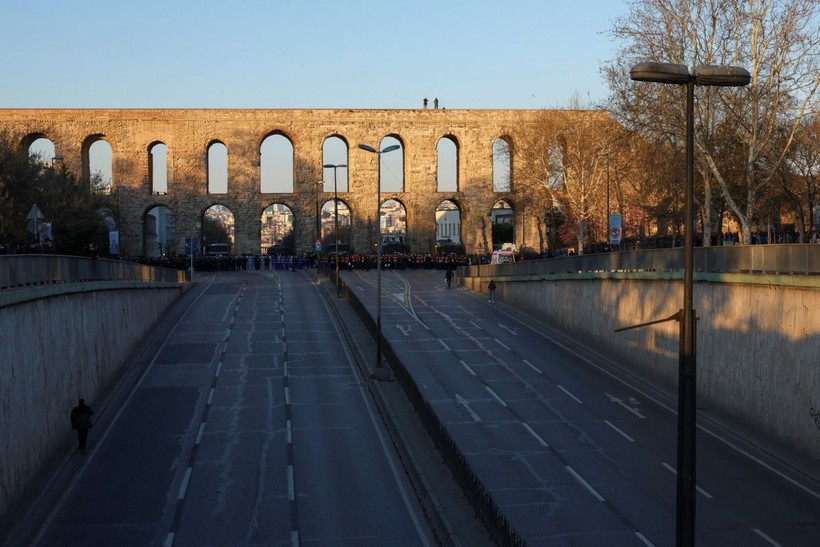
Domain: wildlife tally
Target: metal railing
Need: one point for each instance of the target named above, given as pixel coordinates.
(32, 269)
(796, 259)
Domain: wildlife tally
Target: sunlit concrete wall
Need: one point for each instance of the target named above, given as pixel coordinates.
(758, 344)
(68, 342)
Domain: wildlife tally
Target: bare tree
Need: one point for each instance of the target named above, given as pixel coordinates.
(778, 41)
(559, 159)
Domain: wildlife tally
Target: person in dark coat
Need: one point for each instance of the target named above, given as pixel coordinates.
(81, 421)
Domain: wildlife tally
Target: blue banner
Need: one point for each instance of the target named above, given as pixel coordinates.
(614, 229)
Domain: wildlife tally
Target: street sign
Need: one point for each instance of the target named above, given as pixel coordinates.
(191, 243)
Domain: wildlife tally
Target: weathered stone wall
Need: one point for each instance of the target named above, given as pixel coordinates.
(53, 351)
(757, 344)
(188, 134)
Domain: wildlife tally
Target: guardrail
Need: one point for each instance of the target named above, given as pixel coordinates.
(32, 269)
(787, 259)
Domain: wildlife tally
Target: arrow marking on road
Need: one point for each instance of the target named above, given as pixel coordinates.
(466, 404)
(615, 400)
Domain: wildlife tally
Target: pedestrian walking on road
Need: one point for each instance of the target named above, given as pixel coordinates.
(491, 289)
(448, 276)
(81, 421)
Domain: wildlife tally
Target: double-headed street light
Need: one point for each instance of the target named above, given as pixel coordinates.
(705, 75)
(380, 373)
(336, 219)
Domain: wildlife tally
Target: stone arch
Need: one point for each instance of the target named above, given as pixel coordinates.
(502, 164)
(393, 221)
(336, 151)
(39, 145)
(448, 223)
(276, 162)
(277, 227)
(392, 165)
(217, 178)
(502, 221)
(158, 167)
(97, 162)
(328, 224)
(218, 223)
(447, 158)
(159, 231)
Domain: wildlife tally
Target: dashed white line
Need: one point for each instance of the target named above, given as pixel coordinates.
(644, 539)
(440, 341)
(210, 396)
(287, 395)
(534, 434)
(465, 365)
(703, 492)
(576, 399)
(627, 437)
(169, 540)
(585, 484)
(767, 538)
(183, 488)
(495, 395)
(199, 433)
(218, 370)
(531, 366)
(500, 343)
(291, 486)
(289, 428)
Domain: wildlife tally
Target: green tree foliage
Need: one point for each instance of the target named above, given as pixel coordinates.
(75, 212)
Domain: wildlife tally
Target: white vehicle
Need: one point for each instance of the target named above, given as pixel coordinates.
(502, 257)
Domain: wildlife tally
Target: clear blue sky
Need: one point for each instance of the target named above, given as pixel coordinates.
(304, 54)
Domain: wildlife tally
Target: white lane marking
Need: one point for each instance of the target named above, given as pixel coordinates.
(210, 396)
(294, 538)
(531, 366)
(289, 428)
(440, 341)
(508, 329)
(218, 370)
(287, 395)
(291, 485)
(474, 324)
(471, 371)
(169, 540)
(585, 484)
(495, 395)
(466, 404)
(532, 432)
(183, 488)
(627, 437)
(703, 492)
(565, 390)
(501, 344)
(618, 401)
(199, 433)
(767, 538)
(644, 539)
(285, 369)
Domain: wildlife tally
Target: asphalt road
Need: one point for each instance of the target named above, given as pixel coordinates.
(250, 425)
(576, 450)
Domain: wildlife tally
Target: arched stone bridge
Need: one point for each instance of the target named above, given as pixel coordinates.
(189, 133)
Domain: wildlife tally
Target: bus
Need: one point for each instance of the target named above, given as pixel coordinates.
(217, 249)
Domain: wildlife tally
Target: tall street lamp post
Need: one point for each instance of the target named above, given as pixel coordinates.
(608, 221)
(380, 373)
(319, 190)
(335, 219)
(704, 75)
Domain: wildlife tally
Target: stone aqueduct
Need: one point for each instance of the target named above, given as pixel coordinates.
(188, 133)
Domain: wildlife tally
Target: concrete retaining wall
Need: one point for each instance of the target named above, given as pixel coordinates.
(59, 344)
(758, 345)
